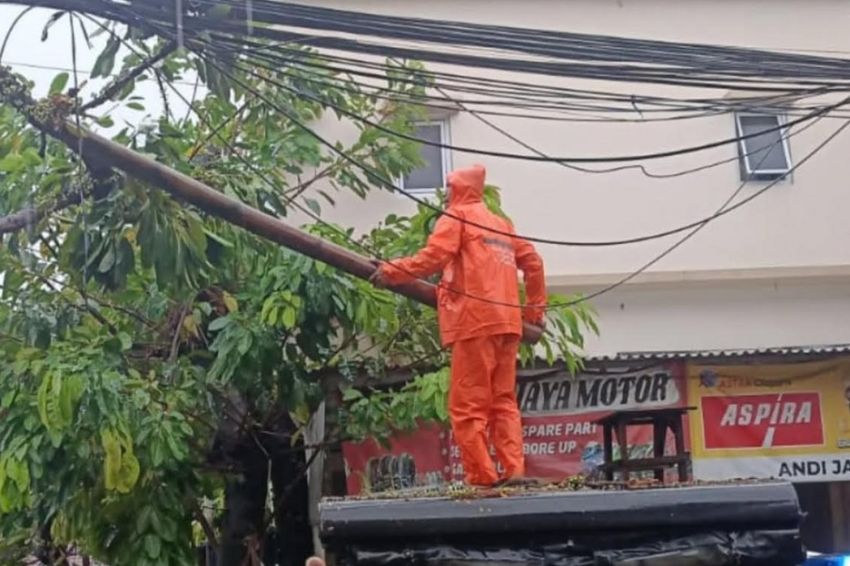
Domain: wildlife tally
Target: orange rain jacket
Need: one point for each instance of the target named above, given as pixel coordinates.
(475, 264)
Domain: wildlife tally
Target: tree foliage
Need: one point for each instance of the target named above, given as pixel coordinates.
(135, 330)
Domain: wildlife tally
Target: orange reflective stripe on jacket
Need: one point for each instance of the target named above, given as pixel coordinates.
(475, 263)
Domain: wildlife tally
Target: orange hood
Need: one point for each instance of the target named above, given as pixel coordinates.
(466, 186)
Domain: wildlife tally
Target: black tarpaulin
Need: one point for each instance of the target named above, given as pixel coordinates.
(680, 507)
(710, 525)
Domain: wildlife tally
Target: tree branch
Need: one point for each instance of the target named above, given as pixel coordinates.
(207, 528)
(35, 214)
(165, 104)
(116, 86)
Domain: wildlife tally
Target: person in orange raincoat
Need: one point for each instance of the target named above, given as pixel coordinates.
(480, 317)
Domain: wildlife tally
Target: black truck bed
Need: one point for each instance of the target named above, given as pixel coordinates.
(706, 525)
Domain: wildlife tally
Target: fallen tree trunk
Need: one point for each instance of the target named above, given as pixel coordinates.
(106, 152)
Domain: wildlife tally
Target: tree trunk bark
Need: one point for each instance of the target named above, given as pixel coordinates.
(245, 504)
(291, 500)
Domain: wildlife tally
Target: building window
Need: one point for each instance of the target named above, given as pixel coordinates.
(431, 175)
(764, 156)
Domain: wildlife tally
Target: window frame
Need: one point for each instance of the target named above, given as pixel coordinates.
(445, 155)
(744, 156)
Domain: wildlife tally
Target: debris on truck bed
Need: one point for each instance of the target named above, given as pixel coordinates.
(577, 524)
(574, 483)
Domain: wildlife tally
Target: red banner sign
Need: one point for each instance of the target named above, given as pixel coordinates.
(418, 458)
(559, 414)
(762, 421)
(561, 437)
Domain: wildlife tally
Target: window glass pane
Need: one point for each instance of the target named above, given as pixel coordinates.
(765, 152)
(429, 176)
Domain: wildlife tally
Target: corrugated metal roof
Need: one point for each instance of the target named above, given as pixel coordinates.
(821, 350)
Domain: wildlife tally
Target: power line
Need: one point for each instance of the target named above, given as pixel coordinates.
(724, 209)
(391, 185)
(508, 155)
(70, 69)
(714, 61)
(630, 104)
(691, 58)
(563, 54)
(641, 168)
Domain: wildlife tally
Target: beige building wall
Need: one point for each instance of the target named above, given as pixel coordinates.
(773, 273)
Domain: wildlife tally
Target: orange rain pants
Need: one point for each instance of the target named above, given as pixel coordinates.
(483, 407)
(480, 317)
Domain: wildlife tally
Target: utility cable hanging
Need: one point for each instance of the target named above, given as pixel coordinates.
(211, 50)
(689, 61)
(555, 53)
(80, 172)
(705, 109)
(722, 209)
(178, 20)
(391, 185)
(249, 15)
(785, 135)
(502, 38)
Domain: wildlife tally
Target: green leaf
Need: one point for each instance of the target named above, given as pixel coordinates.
(230, 302)
(135, 106)
(126, 341)
(351, 394)
(58, 83)
(107, 261)
(289, 317)
(143, 519)
(11, 163)
(152, 546)
(220, 323)
(106, 60)
(105, 121)
(52, 20)
(313, 205)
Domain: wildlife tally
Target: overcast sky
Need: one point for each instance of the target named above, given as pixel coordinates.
(42, 61)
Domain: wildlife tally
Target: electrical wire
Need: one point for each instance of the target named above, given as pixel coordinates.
(714, 61)
(499, 154)
(141, 17)
(523, 157)
(723, 209)
(706, 108)
(12, 27)
(423, 202)
(391, 185)
(78, 124)
(477, 115)
(491, 85)
(576, 55)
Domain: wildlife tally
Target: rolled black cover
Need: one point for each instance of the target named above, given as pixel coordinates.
(708, 525)
(727, 505)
